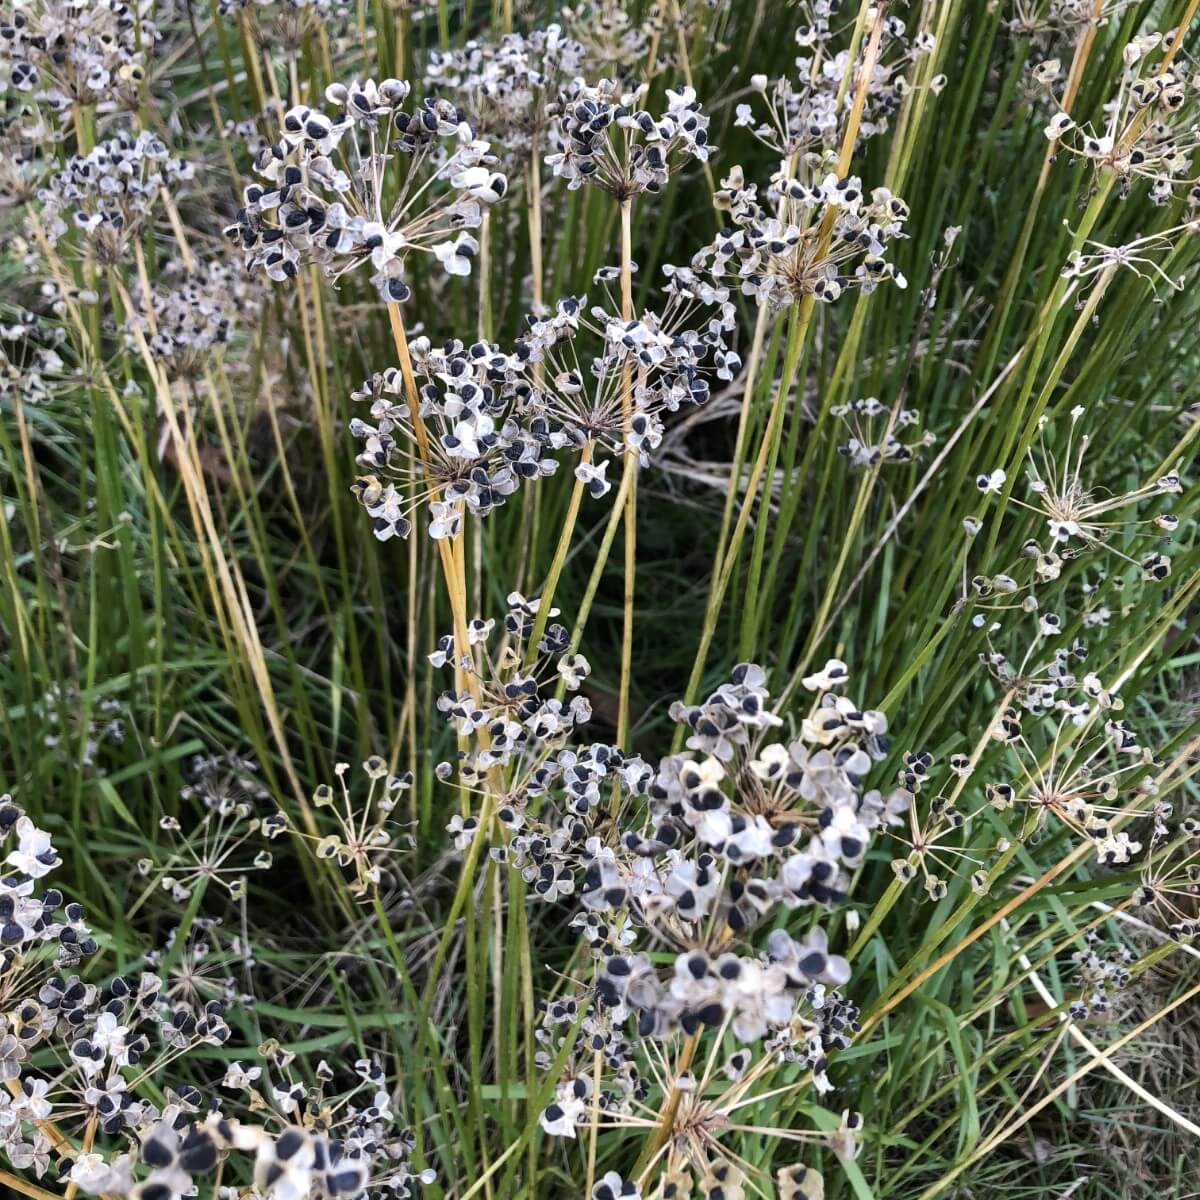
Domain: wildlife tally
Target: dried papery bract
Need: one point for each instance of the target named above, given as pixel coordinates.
(371, 185)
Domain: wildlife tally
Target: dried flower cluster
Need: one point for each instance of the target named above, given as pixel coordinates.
(370, 185)
(468, 447)
(817, 239)
(65, 52)
(191, 315)
(803, 117)
(509, 90)
(110, 194)
(608, 141)
(877, 434)
(691, 856)
(1150, 131)
(488, 420)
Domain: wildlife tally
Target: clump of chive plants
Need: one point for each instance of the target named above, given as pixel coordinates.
(599, 601)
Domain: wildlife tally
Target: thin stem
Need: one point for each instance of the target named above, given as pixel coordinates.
(797, 327)
(22, 1188)
(534, 216)
(561, 552)
(631, 466)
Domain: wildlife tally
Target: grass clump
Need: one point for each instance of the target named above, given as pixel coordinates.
(723, 473)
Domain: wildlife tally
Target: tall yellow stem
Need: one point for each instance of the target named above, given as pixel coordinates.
(560, 557)
(455, 581)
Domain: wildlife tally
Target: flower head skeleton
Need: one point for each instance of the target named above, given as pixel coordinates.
(1075, 511)
(1084, 265)
(1076, 780)
(365, 836)
(640, 369)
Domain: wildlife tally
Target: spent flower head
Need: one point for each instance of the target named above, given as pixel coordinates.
(596, 365)
(110, 194)
(287, 24)
(1079, 512)
(189, 315)
(374, 183)
(508, 90)
(214, 846)
(613, 41)
(366, 835)
(607, 140)
(877, 433)
(802, 113)
(474, 442)
(816, 239)
(65, 52)
(1149, 131)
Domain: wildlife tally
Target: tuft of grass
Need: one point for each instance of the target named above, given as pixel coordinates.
(198, 622)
